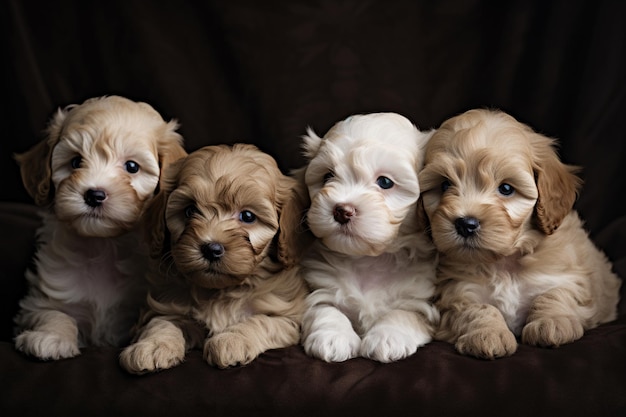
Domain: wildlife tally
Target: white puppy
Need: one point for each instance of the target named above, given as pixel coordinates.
(372, 268)
(98, 166)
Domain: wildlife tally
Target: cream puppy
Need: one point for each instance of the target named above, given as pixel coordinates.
(94, 173)
(515, 260)
(223, 273)
(372, 267)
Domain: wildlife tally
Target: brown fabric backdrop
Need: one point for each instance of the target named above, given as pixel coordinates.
(261, 72)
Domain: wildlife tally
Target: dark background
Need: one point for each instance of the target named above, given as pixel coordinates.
(262, 71)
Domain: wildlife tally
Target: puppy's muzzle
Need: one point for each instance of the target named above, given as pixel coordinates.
(467, 226)
(343, 213)
(95, 198)
(212, 251)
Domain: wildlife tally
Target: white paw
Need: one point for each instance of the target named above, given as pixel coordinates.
(390, 344)
(332, 346)
(152, 354)
(46, 345)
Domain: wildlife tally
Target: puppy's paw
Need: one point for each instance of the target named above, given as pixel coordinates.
(487, 343)
(152, 354)
(392, 344)
(552, 331)
(229, 349)
(47, 345)
(333, 346)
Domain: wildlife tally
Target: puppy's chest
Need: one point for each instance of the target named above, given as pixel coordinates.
(98, 271)
(512, 293)
(379, 283)
(220, 309)
(372, 274)
(107, 275)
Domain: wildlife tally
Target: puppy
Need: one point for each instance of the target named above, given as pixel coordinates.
(372, 267)
(514, 258)
(224, 231)
(94, 173)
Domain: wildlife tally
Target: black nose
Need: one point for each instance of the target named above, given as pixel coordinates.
(94, 198)
(467, 226)
(212, 251)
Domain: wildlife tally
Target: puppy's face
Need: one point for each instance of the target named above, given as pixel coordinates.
(224, 211)
(492, 187)
(100, 164)
(362, 182)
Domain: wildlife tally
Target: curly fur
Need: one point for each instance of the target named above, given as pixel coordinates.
(87, 284)
(372, 268)
(218, 281)
(515, 260)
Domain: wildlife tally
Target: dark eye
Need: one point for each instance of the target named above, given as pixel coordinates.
(328, 176)
(445, 185)
(506, 189)
(247, 216)
(76, 161)
(190, 210)
(131, 166)
(384, 183)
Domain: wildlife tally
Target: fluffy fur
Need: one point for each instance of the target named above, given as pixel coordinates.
(514, 258)
(224, 238)
(372, 267)
(94, 173)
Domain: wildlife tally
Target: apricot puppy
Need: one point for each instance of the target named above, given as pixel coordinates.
(514, 259)
(223, 273)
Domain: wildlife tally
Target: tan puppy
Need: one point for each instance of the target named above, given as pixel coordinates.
(514, 257)
(96, 170)
(223, 239)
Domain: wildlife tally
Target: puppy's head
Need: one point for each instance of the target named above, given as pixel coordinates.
(492, 186)
(100, 163)
(362, 182)
(224, 213)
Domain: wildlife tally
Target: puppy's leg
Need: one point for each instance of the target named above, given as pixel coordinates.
(396, 336)
(242, 342)
(328, 334)
(53, 335)
(477, 330)
(553, 319)
(161, 345)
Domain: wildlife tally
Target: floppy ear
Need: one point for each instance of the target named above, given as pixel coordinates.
(170, 148)
(423, 224)
(153, 219)
(294, 237)
(35, 163)
(557, 184)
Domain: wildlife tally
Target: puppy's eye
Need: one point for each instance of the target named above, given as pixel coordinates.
(506, 189)
(384, 183)
(247, 216)
(190, 210)
(445, 185)
(131, 167)
(328, 176)
(76, 161)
